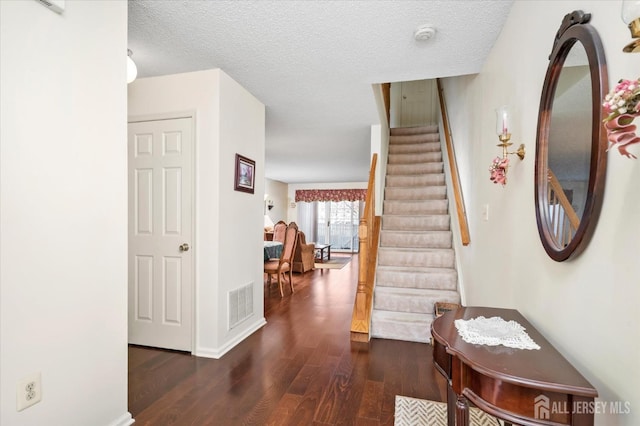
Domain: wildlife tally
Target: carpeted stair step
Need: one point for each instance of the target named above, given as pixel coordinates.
(413, 158)
(432, 179)
(409, 207)
(415, 169)
(432, 128)
(413, 239)
(428, 278)
(427, 222)
(408, 257)
(418, 300)
(411, 327)
(409, 194)
(423, 138)
(409, 148)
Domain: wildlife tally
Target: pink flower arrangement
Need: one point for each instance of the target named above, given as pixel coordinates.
(498, 170)
(623, 99)
(622, 106)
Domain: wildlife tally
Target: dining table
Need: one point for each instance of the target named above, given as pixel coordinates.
(272, 250)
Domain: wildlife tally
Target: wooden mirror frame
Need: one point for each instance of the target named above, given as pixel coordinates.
(574, 28)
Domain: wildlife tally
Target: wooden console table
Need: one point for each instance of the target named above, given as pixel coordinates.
(526, 387)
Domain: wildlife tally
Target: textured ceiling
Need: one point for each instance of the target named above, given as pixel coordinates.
(312, 63)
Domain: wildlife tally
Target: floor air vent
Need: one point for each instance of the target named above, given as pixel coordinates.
(240, 305)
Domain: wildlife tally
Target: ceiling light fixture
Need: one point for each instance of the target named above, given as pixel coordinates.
(424, 33)
(132, 70)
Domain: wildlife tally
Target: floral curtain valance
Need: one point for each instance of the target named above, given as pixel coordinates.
(310, 195)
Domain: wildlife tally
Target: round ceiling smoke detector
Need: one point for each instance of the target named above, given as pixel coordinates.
(424, 33)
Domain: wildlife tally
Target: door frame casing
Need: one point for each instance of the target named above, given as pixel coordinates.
(191, 114)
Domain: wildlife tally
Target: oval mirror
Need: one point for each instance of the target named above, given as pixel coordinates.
(571, 141)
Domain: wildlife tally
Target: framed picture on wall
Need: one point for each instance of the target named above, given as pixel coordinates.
(245, 174)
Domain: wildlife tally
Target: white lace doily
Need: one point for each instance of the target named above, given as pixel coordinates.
(494, 331)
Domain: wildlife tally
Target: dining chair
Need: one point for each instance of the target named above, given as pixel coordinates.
(284, 264)
(279, 230)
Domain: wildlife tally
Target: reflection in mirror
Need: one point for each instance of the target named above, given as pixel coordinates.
(571, 144)
(569, 148)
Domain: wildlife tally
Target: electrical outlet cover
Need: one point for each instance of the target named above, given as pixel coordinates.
(28, 391)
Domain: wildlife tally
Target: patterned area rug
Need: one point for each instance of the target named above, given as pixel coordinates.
(420, 412)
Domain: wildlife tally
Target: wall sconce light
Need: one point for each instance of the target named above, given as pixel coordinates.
(631, 17)
(500, 165)
(132, 69)
(503, 129)
(268, 203)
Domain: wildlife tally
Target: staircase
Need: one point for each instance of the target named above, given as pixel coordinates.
(416, 261)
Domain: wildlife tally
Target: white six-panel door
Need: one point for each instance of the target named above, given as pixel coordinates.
(160, 226)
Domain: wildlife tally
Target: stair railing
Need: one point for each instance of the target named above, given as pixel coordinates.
(368, 235)
(461, 212)
(563, 219)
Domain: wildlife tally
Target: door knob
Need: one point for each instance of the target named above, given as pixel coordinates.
(184, 247)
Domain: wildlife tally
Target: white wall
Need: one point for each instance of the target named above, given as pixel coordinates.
(228, 223)
(63, 214)
(379, 138)
(242, 130)
(277, 192)
(380, 146)
(587, 307)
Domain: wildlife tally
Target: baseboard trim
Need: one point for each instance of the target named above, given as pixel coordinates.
(217, 353)
(124, 420)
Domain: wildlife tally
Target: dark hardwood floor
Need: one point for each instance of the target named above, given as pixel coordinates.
(299, 369)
